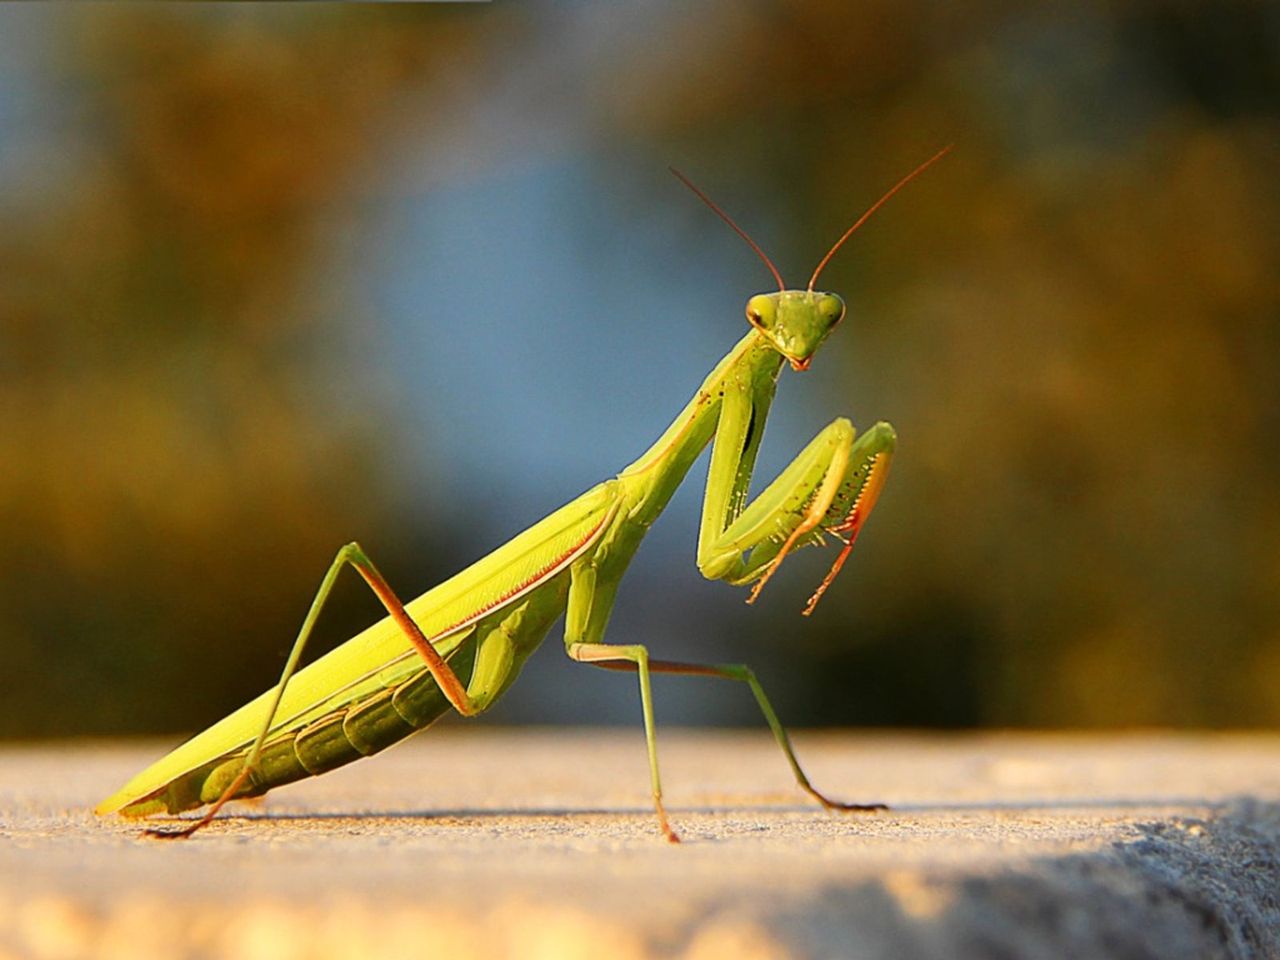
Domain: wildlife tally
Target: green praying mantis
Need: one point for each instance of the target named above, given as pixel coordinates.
(461, 644)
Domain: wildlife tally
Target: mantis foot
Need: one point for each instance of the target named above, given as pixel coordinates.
(842, 807)
(181, 834)
(856, 807)
(663, 823)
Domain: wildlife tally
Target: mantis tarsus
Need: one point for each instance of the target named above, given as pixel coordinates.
(462, 643)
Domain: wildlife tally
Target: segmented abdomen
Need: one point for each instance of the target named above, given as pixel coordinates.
(359, 729)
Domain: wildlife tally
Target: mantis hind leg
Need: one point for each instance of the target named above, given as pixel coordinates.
(744, 674)
(443, 674)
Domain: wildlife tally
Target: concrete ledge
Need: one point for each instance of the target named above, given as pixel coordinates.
(479, 842)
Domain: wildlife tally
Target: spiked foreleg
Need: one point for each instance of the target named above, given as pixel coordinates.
(829, 488)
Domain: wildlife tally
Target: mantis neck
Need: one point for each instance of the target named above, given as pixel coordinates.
(653, 478)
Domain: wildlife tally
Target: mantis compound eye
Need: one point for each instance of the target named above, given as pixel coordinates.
(831, 309)
(760, 311)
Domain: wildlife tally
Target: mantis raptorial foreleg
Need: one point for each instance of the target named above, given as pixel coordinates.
(448, 681)
(830, 487)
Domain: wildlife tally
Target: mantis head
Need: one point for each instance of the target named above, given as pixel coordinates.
(795, 322)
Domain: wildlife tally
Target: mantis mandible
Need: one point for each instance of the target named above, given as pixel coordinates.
(461, 644)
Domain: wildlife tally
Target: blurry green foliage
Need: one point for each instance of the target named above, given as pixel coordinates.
(1074, 328)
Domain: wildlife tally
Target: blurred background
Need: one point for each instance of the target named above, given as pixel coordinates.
(273, 278)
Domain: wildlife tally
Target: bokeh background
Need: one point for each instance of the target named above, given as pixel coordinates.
(277, 277)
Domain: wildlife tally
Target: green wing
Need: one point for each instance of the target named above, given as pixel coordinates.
(381, 656)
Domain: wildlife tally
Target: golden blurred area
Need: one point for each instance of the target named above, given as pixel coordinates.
(1074, 324)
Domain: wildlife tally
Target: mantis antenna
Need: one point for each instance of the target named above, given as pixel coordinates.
(729, 220)
(873, 208)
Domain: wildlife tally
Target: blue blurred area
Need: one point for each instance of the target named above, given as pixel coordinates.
(558, 334)
(34, 121)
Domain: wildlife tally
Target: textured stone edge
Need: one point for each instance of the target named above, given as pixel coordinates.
(1184, 888)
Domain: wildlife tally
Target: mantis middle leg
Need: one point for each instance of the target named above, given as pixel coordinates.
(636, 658)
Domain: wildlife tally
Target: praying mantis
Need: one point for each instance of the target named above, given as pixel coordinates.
(461, 644)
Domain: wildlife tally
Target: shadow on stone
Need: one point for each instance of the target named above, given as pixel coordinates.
(1188, 889)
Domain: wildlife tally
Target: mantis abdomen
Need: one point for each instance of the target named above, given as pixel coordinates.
(403, 704)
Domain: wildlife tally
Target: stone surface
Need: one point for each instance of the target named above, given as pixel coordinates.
(481, 842)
